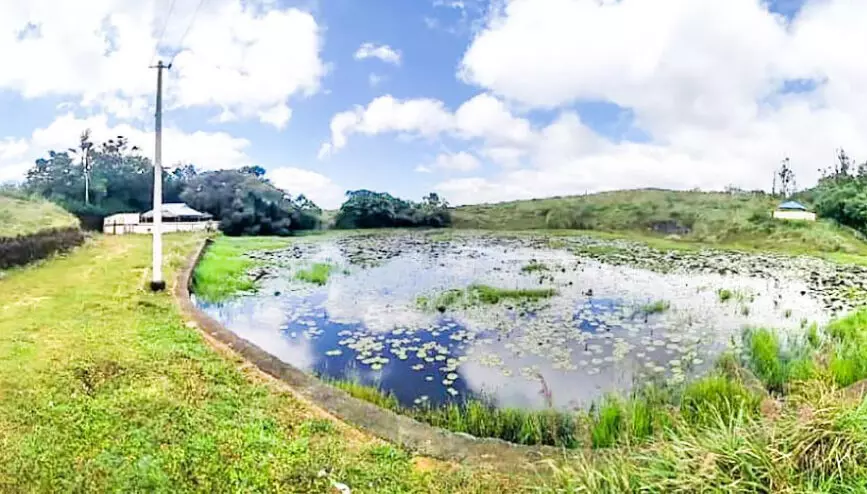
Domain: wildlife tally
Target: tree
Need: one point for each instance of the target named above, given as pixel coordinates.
(787, 178)
(246, 204)
(368, 209)
(84, 152)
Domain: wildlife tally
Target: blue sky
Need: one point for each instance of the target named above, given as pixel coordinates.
(478, 100)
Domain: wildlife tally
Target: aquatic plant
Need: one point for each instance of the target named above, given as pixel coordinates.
(318, 273)
(724, 294)
(223, 270)
(480, 294)
(656, 307)
(534, 266)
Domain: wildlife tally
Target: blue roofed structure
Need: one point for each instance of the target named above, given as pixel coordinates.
(791, 206)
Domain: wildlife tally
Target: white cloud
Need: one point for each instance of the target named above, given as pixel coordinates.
(458, 162)
(704, 80)
(427, 117)
(99, 51)
(317, 187)
(206, 150)
(383, 52)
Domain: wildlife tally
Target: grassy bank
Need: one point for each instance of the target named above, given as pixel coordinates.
(223, 269)
(104, 388)
(23, 216)
(736, 220)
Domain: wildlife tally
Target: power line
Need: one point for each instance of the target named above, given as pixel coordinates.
(187, 31)
(163, 32)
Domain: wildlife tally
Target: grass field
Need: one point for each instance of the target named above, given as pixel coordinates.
(20, 216)
(104, 388)
(736, 220)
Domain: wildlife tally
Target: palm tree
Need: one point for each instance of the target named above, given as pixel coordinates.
(85, 153)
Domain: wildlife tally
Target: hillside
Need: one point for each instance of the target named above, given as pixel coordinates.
(20, 216)
(741, 219)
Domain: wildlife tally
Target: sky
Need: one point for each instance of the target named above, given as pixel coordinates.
(480, 101)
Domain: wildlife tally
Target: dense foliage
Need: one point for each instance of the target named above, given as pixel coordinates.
(367, 209)
(248, 204)
(842, 193)
(112, 177)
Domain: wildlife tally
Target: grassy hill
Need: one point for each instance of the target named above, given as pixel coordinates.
(741, 219)
(23, 216)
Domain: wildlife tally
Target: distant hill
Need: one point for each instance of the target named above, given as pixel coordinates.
(710, 217)
(24, 216)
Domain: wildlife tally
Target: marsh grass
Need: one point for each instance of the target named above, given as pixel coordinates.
(656, 307)
(480, 294)
(534, 266)
(317, 274)
(725, 294)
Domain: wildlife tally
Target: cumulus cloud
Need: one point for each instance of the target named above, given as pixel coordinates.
(100, 52)
(317, 187)
(383, 52)
(722, 90)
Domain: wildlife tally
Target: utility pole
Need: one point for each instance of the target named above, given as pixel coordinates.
(157, 282)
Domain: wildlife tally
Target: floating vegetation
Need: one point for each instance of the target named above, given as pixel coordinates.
(480, 294)
(533, 267)
(725, 294)
(318, 273)
(657, 307)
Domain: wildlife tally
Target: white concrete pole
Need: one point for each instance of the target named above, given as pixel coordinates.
(157, 282)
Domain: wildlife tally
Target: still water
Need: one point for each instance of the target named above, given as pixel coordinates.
(593, 338)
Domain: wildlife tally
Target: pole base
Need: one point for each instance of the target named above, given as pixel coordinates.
(158, 286)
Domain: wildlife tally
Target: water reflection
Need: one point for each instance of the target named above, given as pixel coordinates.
(594, 338)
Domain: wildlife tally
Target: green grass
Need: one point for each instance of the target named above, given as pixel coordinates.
(533, 267)
(740, 221)
(481, 294)
(106, 389)
(656, 307)
(766, 358)
(717, 398)
(725, 294)
(223, 269)
(317, 274)
(23, 216)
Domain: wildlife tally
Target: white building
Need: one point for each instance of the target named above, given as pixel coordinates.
(177, 217)
(791, 210)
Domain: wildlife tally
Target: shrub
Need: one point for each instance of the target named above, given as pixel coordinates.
(17, 251)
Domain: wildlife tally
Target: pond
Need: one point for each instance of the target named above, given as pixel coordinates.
(608, 326)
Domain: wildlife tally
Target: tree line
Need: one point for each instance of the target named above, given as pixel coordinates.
(100, 179)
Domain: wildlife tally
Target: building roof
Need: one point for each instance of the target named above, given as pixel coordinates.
(177, 209)
(792, 205)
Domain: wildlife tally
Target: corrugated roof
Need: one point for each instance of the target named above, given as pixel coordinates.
(176, 209)
(792, 205)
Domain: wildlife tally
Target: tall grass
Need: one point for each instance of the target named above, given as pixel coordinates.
(481, 294)
(317, 274)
